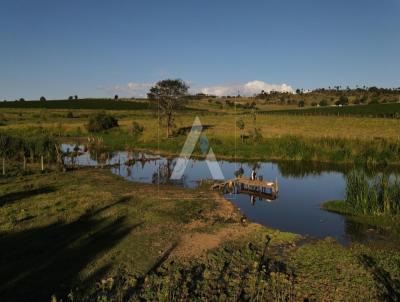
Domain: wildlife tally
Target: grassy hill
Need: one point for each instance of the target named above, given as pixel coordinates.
(391, 110)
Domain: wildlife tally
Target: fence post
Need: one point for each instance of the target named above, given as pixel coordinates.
(41, 161)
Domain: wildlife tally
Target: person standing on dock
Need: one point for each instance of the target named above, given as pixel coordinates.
(253, 174)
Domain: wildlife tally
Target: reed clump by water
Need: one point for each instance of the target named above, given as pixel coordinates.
(372, 196)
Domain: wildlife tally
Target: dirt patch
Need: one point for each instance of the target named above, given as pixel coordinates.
(225, 210)
(196, 244)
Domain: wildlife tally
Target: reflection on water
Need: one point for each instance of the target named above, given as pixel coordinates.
(303, 187)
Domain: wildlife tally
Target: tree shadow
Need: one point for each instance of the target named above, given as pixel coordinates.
(39, 262)
(131, 292)
(186, 130)
(15, 196)
(389, 287)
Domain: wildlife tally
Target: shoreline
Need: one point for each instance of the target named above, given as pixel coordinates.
(273, 159)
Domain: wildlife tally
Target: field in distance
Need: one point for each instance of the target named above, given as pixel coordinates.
(391, 110)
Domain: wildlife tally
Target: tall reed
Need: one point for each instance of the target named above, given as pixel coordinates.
(373, 196)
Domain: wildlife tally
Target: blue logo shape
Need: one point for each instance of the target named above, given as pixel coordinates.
(203, 144)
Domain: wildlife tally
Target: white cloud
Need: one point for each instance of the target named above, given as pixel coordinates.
(247, 89)
(131, 89)
(134, 89)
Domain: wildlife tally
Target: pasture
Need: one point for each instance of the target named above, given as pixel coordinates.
(98, 237)
(388, 110)
(279, 136)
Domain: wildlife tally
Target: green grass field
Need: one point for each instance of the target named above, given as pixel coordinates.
(391, 110)
(334, 139)
(88, 235)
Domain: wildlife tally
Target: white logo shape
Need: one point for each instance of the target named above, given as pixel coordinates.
(187, 150)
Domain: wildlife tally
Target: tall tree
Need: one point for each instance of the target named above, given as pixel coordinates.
(168, 95)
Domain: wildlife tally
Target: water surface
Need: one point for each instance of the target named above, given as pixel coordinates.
(297, 208)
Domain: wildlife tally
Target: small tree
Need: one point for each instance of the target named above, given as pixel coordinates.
(70, 98)
(343, 100)
(42, 99)
(169, 96)
(301, 103)
(323, 103)
(136, 129)
(116, 97)
(240, 124)
(76, 97)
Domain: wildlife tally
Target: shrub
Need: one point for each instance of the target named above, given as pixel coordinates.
(343, 100)
(323, 103)
(136, 129)
(257, 135)
(240, 124)
(301, 103)
(375, 100)
(70, 114)
(14, 147)
(101, 122)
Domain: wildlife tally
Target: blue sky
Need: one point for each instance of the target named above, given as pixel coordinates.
(99, 48)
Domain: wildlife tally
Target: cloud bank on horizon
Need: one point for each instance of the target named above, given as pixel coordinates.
(245, 89)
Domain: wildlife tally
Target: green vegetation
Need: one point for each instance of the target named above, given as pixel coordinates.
(370, 110)
(18, 148)
(88, 235)
(101, 121)
(68, 231)
(286, 147)
(312, 138)
(168, 96)
(137, 129)
(98, 104)
(331, 96)
(374, 196)
(371, 200)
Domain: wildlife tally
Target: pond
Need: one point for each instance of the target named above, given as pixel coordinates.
(297, 208)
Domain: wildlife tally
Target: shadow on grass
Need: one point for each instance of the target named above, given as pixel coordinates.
(186, 130)
(134, 292)
(15, 196)
(39, 262)
(389, 287)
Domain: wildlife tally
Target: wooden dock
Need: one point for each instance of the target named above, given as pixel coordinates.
(249, 185)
